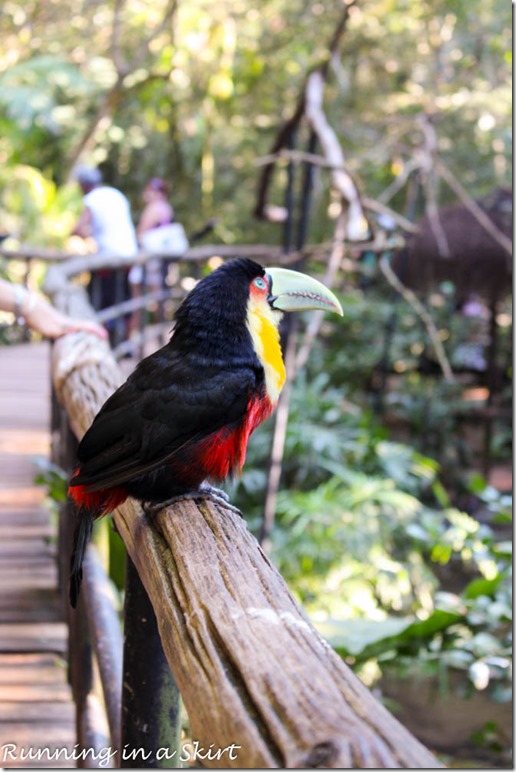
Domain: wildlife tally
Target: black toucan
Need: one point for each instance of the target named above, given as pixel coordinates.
(186, 413)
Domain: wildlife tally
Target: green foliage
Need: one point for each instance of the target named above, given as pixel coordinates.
(364, 556)
(491, 738)
(34, 209)
(358, 640)
(366, 531)
(396, 374)
(198, 98)
(54, 479)
(481, 644)
(39, 96)
(34, 92)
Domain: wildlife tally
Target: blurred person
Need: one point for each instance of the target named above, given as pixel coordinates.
(156, 214)
(40, 315)
(106, 217)
(469, 354)
(157, 210)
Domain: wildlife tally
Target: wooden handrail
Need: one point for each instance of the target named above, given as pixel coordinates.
(261, 686)
(74, 264)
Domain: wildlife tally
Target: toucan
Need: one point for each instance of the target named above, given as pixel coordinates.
(185, 415)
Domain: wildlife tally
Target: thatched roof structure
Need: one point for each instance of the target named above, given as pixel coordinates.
(477, 263)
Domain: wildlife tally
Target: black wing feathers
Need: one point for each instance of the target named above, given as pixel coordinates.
(167, 403)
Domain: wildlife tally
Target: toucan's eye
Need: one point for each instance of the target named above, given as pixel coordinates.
(260, 283)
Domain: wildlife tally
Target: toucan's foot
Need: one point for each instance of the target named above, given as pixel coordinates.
(204, 491)
(211, 492)
(207, 491)
(152, 508)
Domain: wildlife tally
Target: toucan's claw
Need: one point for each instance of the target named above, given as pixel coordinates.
(205, 491)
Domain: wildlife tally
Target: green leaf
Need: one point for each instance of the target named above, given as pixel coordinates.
(365, 638)
(481, 586)
(440, 494)
(503, 548)
(355, 636)
(477, 483)
(437, 621)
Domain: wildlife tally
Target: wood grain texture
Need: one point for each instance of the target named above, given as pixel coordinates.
(251, 668)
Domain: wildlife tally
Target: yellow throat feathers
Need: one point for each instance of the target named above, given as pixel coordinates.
(263, 328)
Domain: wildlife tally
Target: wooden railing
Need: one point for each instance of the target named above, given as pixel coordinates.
(203, 602)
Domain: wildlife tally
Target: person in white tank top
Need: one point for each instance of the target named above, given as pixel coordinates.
(111, 224)
(106, 218)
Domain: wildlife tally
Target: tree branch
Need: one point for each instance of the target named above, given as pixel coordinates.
(477, 211)
(289, 127)
(428, 160)
(334, 264)
(423, 314)
(111, 99)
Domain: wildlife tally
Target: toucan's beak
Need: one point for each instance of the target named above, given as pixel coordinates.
(294, 291)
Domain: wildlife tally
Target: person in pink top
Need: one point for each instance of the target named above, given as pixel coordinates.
(157, 212)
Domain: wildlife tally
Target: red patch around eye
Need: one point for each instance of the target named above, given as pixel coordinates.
(256, 289)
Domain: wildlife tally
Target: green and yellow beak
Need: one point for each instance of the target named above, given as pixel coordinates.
(295, 291)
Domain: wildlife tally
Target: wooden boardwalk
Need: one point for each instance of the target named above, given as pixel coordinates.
(36, 709)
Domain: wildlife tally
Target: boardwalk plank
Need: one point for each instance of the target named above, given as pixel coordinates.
(26, 533)
(33, 637)
(27, 613)
(41, 712)
(36, 708)
(28, 668)
(35, 692)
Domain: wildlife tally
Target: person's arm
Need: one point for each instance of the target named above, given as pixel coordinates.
(83, 224)
(156, 213)
(40, 315)
(148, 220)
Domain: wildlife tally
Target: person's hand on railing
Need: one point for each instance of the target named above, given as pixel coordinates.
(40, 316)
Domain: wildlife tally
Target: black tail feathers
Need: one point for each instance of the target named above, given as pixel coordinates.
(81, 538)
